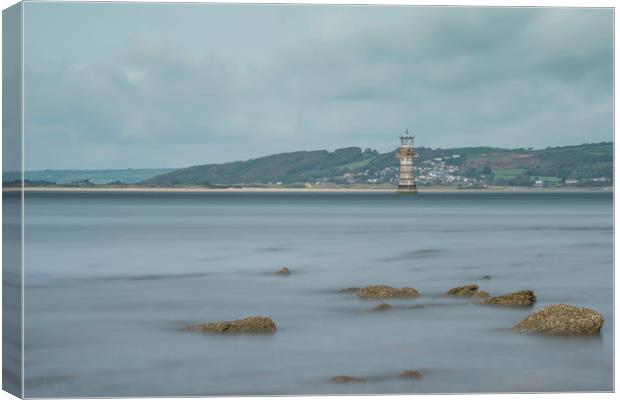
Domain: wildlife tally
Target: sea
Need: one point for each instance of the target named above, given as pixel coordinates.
(112, 277)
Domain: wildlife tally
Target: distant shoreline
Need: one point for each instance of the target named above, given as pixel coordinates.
(190, 189)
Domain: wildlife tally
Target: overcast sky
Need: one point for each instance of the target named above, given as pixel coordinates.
(173, 85)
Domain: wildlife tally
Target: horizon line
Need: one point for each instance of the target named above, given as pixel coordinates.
(298, 151)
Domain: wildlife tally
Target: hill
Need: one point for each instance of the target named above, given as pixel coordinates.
(585, 165)
(98, 176)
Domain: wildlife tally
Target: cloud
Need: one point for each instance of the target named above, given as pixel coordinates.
(319, 77)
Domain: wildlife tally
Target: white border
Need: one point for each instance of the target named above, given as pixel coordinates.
(482, 3)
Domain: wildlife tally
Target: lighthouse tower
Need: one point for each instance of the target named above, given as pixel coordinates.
(406, 154)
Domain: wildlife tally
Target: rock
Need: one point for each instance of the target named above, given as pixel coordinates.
(383, 292)
(521, 298)
(562, 319)
(411, 373)
(349, 290)
(248, 324)
(486, 277)
(383, 307)
(481, 294)
(466, 291)
(282, 271)
(346, 379)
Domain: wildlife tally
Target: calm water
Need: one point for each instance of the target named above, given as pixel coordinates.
(111, 277)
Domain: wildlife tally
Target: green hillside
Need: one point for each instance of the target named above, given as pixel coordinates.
(588, 164)
(287, 168)
(582, 165)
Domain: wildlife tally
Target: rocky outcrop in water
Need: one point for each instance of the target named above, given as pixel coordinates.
(350, 290)
(468, 291)
(481, 294)
(463, 291)
(346, 379)
(384, 292)
(383, 307)
(245, 325)
(521, 298)
(562, 319)
(282, 271)
(411, 373)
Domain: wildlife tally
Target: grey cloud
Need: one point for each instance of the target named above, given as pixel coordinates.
(331, 77)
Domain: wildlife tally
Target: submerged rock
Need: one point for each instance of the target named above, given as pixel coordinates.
(411, 373)
(350, 290)
(282, 271)
(465, 291)
(468, 291)
(383, 307)
(520, 299)
(481, 294)
(346, 379)
(383, 292)
(248, 324)
(562, 319)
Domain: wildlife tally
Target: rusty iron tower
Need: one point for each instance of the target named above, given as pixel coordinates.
(406, 154)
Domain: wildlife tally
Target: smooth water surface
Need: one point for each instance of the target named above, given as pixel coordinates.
(112, 277)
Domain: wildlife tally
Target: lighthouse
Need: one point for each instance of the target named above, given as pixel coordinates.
(406, 154)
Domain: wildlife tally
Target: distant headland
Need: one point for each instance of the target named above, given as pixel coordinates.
(469, 168)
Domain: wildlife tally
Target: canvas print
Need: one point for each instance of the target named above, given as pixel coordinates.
(296, 199)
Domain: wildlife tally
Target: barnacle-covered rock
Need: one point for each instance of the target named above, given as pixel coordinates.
(346, 379)
(562, 319)
(519, 299)
(282, 271)
(384, 292)
(411, 373)
(464, 291)
(248, 324)
(383, 307)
